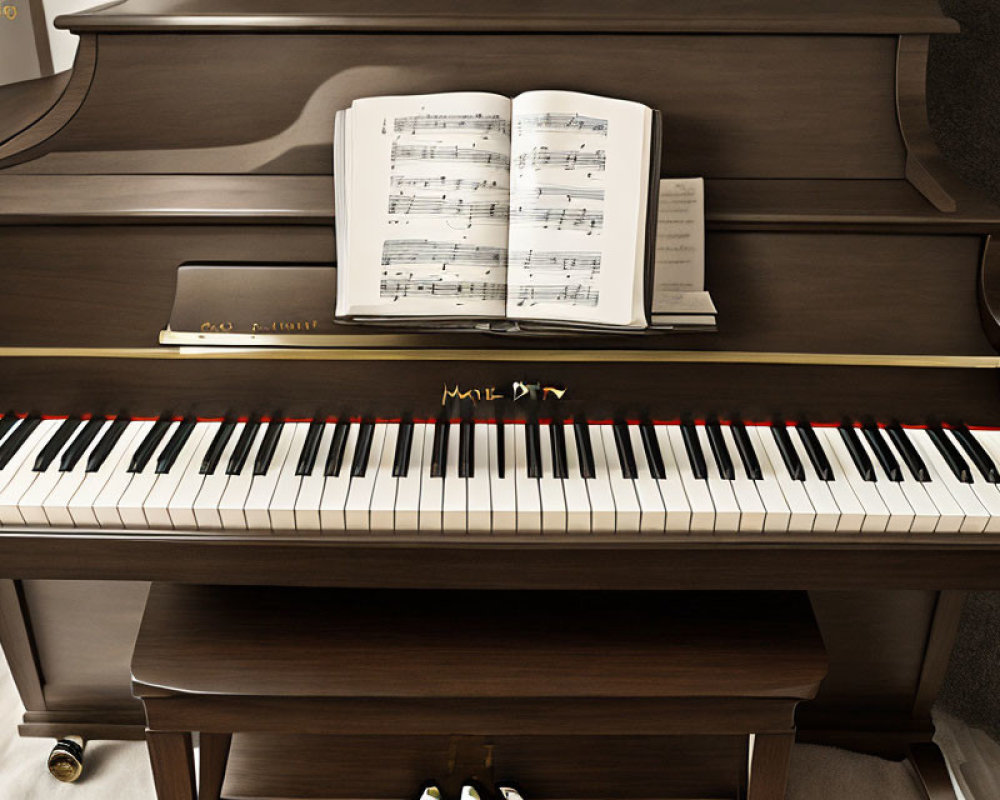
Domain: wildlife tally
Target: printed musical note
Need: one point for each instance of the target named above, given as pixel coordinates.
(573, 294)
(411, 205)
(571, 193)
(443, 182)
(560, 260)
(541, 157)
(397, 288)
(560, 219)
(468, 155)
(427, 251)
(452, 122)
(575, 123)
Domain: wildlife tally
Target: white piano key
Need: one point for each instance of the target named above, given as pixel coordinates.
(900, 513)
(256, 507)
(431, 488)
(57, 502)
(157, 502)
(628, 514)
(976, 516)
(550, 490)
(16, 478)
(406, 518)
(603, 513)
(827, 511)
(454, 508)
(131, 500)
(950, 516)
(984, 491)
(529, 504)
(926, 516)
(575, 487)
(357, 510)
(180, 506)
(206, 504)
(382, 512)
(671, 486)
(310, 494)
(502, 490)
(777, 514)
(281, 509)
(861, 506)
(478, 486)
(727, 510)
(990, 440)
(336, 487)
(81, 505)
(752, 511)
(238, 487)
(800, 509)
(653, 517)
(32, 502)
(698, 495)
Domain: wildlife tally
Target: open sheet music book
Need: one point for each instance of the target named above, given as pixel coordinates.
(475, 210)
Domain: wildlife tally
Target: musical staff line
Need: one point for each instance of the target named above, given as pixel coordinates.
(411, 205)
(428, 251)
(541, 157)
(571, 193)
(575, 123)
(410, 287)
(559, 219)
(484, 123)
(573, 294)
(559, 260)
(443, 182)
(468, 155)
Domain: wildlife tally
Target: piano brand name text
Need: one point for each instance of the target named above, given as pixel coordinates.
(8, 12)
(519, 390)
(282, 326)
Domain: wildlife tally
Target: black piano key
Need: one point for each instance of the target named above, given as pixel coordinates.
(585, 450)
(72, 454)
(338, 444)
(815, 451)
(362, 449)
(557, 438)
(465, 445)
(747, 454)
(882, 452)
(719, 450)
(268, 445)
(501, 451)
(439, 449)
(172, 449)
(909, 453)
(533, 448)
(976, 452)
(103, 449)
(18, 436)
(148, 445)
(214, 453)
(404, 446)
(652, 447)
(626, 456)
(956, 463)
(694, 452)
(55, 444)
(241, 452)
(857, 451)
(8, 421)
(788, 453)
(310, 447)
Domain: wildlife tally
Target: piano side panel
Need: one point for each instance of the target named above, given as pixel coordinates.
(113, 286)
(734, 106)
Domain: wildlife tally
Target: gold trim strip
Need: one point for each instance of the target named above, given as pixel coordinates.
(504, 355)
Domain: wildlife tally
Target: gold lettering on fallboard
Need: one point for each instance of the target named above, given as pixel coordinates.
(10, 12)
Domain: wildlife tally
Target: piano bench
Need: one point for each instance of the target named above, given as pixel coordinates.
(573, 694)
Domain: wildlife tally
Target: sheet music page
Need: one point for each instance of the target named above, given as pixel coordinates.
(579, 185)
(428, 186)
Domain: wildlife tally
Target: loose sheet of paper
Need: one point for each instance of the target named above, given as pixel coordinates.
(579, 178)
(679, 273)
(428, 181)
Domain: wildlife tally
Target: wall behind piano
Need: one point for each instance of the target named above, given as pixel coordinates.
(30, 44)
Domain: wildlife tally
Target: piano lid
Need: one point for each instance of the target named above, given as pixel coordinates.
(565, 16)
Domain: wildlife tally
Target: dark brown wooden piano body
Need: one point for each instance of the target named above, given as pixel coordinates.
(853, 273)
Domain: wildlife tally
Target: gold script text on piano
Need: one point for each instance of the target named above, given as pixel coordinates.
(9, 12)
(519, 390)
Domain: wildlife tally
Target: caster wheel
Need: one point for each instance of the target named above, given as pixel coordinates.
(66, 759)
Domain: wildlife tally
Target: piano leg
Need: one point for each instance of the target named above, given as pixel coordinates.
(929, 763)
(171, 756)
(769, 766)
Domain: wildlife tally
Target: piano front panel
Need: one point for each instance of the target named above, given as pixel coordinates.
(734, 106)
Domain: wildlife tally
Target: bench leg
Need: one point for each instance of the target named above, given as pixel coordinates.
(769, 768)
(171, 756)
(214, 755)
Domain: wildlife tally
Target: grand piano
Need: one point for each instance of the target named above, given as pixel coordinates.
(837, 434)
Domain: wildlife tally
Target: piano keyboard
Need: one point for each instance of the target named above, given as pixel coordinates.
(516, 478)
